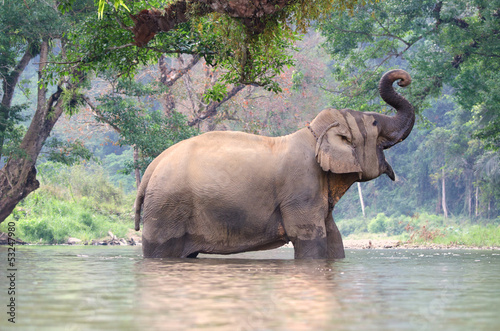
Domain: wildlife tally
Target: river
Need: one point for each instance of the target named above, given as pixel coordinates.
(114, 288)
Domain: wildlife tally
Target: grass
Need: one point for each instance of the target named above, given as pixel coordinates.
(425, 228)
(77, 202)
(472, 235)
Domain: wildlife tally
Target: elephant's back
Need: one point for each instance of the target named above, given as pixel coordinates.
(203, 158)
(214, 166)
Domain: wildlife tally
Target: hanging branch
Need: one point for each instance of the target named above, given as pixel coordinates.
(252, 14)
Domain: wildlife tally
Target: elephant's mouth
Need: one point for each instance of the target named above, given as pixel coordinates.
(389, 172)
(385, 167)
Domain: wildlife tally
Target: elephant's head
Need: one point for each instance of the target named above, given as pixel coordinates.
(349, 141)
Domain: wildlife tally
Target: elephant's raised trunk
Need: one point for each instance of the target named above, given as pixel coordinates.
(397, 128)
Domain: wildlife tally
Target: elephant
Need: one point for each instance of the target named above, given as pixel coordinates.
(229, 192)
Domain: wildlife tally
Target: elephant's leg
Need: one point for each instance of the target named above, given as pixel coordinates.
(310, 248)
(334, 239)
(165, 234)
(158, 248)
(306, 231)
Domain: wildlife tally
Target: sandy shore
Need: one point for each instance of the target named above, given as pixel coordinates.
(365, 243)
(395, 244)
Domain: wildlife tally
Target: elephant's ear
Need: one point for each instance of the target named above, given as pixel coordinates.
(335, 151)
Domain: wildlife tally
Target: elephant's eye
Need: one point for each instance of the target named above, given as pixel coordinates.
(375, 123)
(345, 138)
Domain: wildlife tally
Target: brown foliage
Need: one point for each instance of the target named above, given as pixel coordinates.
(422, 233)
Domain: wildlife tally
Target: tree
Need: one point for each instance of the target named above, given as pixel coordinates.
(139, 123)
(199, 102)
(38, 31)
(454, 42)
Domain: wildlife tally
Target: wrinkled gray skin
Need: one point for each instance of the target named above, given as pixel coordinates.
(231, 192)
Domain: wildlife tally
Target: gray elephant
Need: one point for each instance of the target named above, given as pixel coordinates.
(231, 192)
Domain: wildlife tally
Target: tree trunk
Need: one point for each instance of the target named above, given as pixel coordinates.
(438, 201)
(469, 201)
(469, 189)
(18, 176)
(361, 199)
(443, 195)
(477, 201)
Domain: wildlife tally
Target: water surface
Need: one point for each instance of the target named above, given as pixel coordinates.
(114, 288)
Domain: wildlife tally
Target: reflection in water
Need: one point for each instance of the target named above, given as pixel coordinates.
(239, 294)
(114, 288)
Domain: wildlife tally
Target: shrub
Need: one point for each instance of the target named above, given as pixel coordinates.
(431, 220)
(350, 226)
(396, 225)
(35, 229)
(475, 235)
(422, 233)
(378, 224)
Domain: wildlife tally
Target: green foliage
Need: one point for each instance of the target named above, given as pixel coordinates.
(243, 55)
(69, 204)
(352, 226)
(454, 232)
(440, 43)
(427, 228)
(474, 235)
(378, 224)
(10, 130)
(73, 100)
(114, 164)
(67, 152)
(394, 225)
(150, 131)
(24, 25)
(248, 59)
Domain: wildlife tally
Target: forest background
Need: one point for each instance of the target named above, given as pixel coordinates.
(121, 105)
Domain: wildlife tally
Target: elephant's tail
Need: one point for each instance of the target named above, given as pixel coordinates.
(141, 191)
(139, 200)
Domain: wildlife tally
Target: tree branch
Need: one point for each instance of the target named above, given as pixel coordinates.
(97, 113)
(10, 81)
(170, 75)
(388, 33)
(9, 85)
(212, 108)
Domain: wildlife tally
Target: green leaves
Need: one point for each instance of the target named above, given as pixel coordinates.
(451, 51)
(244, 53)
(216, 93)
(441, 43)
(67, 152)
(117, 3)
(149, 130)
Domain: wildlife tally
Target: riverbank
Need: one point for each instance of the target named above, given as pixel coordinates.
(351, 242)
(131, 238)
(397, 244)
